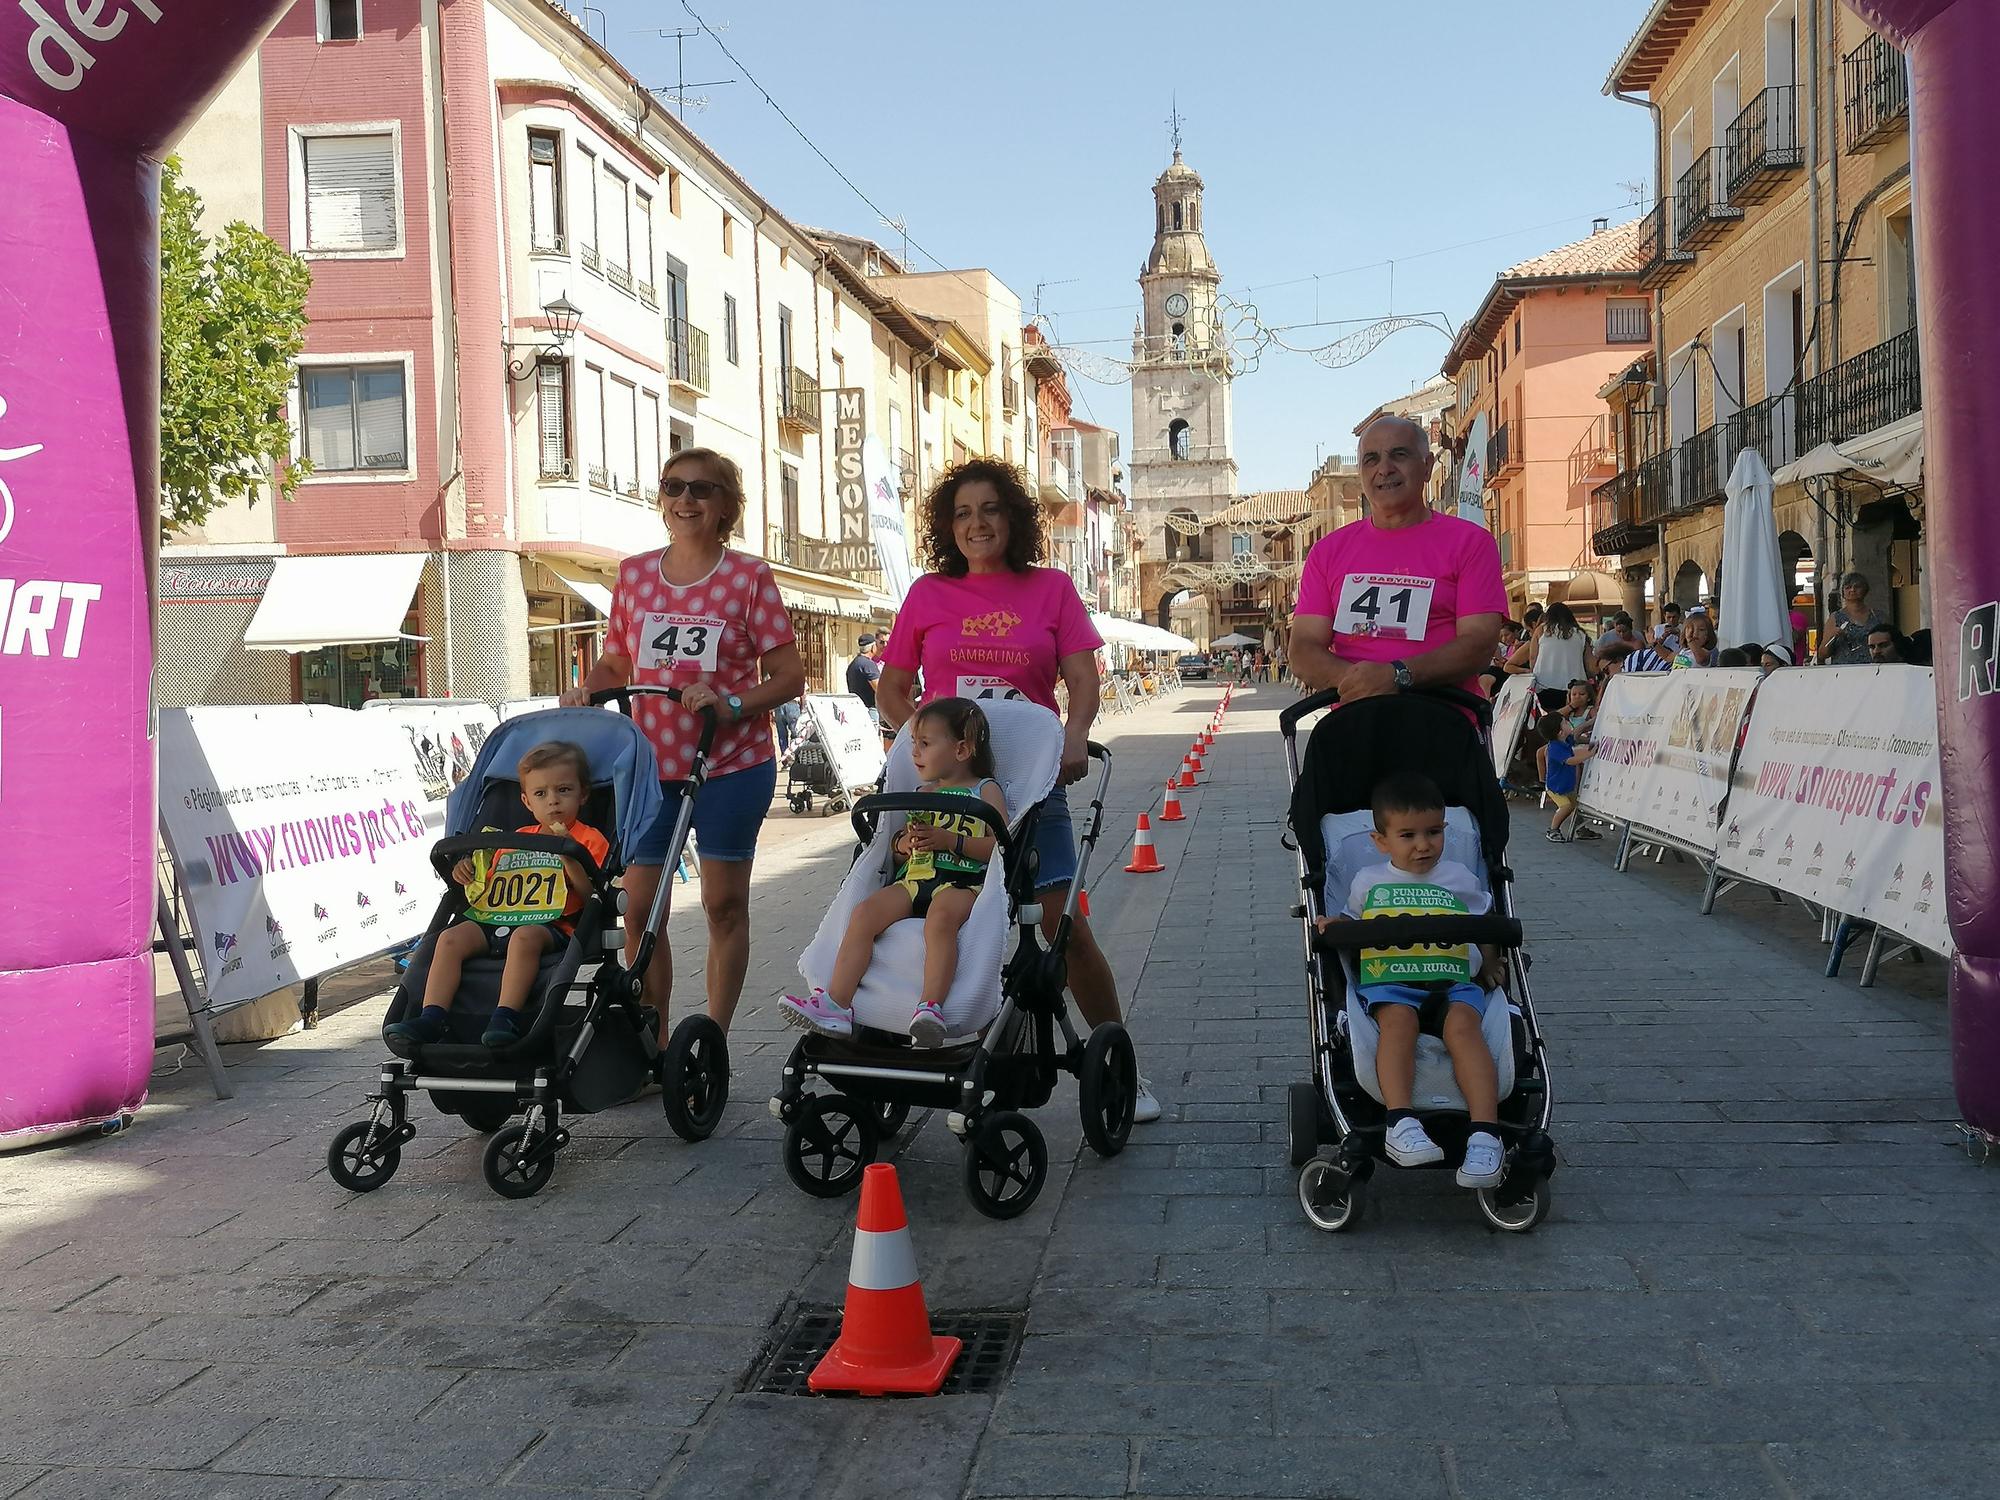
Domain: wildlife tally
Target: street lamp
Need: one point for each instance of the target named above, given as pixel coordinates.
(563, 316)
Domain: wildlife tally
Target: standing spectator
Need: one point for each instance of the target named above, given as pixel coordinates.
(1562, 656)
(1559, 780)
(862, 673)
(1666, 638)
(1619, 633)
(1844, 642)
(1801, 623)
(785, 719)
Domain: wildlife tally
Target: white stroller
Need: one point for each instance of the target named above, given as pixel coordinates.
(1002, 1011)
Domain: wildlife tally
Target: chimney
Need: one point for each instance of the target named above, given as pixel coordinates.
(1598, 226)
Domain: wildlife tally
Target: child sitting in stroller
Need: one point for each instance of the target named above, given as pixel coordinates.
(521, 912)
(1395, 984)
(943, 863)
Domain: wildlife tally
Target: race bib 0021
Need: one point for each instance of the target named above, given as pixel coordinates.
(516, 888)
(1428, 963)
(988, 687)
(680, 643)
(1393, 606)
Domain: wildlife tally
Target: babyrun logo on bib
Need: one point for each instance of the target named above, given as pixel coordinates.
(1426, 963)
(1392, 606)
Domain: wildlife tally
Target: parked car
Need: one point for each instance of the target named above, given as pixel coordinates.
(1193, 668)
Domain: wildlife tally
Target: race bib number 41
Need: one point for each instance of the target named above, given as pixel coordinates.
(680, 643)
(1393, 606)
(988, 687)
(516, 888)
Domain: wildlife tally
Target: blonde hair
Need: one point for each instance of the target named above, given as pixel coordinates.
(726, 473)
(554, 753)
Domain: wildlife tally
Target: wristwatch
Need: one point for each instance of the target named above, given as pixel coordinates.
(735, 704)
(1404, 681)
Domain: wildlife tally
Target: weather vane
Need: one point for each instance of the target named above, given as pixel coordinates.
(1174, 125)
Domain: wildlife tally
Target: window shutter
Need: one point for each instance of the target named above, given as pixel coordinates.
(649, 444)
(350, 192)
(553, 411)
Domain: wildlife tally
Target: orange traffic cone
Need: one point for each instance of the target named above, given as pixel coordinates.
(1145, 858)
(1170, 810)
(885, 1345)
(1194, 756)
(1187, 773)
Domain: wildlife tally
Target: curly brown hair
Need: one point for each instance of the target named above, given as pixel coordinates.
(1024, 517)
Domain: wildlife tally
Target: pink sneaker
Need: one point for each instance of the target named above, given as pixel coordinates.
(927, 1025)
(817, 1013)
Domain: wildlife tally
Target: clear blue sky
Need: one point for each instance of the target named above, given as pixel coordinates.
(1332, 136)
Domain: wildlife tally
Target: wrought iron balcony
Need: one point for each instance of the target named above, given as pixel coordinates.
(1771, 427)
(1664, 259)
(798, 399)
(647, 297)
(1503, 450)
(687, 356)
(1593, 459)
(1871, 390)
(1877, 93)
(600, 477)
(1764, 144)
(1698, 471)
(590, 260)
(1702, 209)
(619, 276)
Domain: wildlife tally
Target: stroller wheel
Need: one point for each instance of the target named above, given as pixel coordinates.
(830, 1140)
(694, 1078)
(1331, 1197)
(359, 1160)
(1006, 1163)
(512, 1167)
(802, 802)
(1518, 1217)
(1303, 1124)
(1107, 1088)
(889, 1118)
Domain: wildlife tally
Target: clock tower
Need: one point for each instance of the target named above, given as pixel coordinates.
(1182, 457)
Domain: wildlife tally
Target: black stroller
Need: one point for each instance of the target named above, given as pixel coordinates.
(588, 1043)
(1337, 1121)
(1001, 1055)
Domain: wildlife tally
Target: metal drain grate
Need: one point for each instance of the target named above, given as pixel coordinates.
(991, 1342)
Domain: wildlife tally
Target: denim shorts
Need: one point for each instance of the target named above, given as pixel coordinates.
(1055, 842)
(728, 812)
(1414, 995)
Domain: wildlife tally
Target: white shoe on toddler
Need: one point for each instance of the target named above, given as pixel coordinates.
(1410, 1145)
(817, 1013)
(1485, 1162)
(927, 1025)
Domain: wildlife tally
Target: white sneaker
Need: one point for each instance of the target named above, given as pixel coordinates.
(1145, 1108)
(1485, 1162)
(1409, 1145)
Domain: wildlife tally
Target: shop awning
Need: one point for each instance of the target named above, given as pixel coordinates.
(596, 595)
(819, 593)
(1890, 456)
(336, 601)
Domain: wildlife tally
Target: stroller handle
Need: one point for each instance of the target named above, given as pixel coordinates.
(448, 852)
(1409, 932)
(623, 696)
(1480, 708)
(868, 810)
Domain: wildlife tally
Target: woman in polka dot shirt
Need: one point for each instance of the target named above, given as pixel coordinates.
(708, 620)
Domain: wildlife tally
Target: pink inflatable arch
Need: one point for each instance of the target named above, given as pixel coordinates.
(92, 92)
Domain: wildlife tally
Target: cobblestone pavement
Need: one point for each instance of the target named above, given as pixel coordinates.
(1765, 1274)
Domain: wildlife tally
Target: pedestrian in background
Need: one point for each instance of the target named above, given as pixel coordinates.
(1562, 656)
(1844, 642)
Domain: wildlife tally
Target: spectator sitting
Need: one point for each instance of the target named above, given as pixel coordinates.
(1510, 640)
(1666, 634)
(1559, 780)
(1774, 656)
(1619, 633)
(1884, 645)
(1732, 656)
(1648, 659)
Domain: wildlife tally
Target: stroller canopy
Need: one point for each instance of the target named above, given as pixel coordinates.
(620, 755)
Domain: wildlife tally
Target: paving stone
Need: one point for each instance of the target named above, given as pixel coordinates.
(142, 1484)
(305, 1391)
(380, 1443)
(622, 1458)
(1637, 1471)
(524, 1346)
(1045, 1465)
(559, 1398)
(833, 1450)
(62, 1385)
(1842, 1469)
(1325, 1469)
(152, 1438)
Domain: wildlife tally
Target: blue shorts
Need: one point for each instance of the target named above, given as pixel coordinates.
(1055, 842)
(728, 812)
(1414, 996)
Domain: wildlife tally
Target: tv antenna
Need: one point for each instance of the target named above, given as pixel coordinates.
(1635, 193)
(1067, 281)
(902, 227)
(678, 95)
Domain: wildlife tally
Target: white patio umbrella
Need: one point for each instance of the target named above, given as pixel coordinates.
(1235, 639)
(1756, 609)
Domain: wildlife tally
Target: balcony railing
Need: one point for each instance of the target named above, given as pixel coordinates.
(1764, 144)
(1877, 93)
(798, 399)
(1628, 322)
(619, 276)
(687, 356)
(600, 477)
(590, 260)
(1664, 259)
(778, 546)
(1503, 450)
(1702, 209)
(1871, 390)
(1771, 427)
(648, 298)
(1698, 472)
(1593, 459)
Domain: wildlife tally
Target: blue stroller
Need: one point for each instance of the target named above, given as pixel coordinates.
(587, 1041)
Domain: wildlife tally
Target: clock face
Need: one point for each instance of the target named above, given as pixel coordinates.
(1177, 305)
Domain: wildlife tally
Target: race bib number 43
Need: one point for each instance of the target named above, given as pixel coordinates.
(680, 643)
(1393, 606)
(515, 888)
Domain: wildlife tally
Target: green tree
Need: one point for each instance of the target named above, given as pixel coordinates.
(232, 323)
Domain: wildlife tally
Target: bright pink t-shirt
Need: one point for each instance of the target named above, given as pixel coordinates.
(715, 631)
(990, 635)
(1398, 594)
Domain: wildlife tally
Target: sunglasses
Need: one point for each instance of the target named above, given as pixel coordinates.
(699, 489)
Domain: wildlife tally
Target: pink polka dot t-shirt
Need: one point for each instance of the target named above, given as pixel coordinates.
(715, 631)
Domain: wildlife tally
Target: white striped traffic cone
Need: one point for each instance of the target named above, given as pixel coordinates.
(1170, 810)
(885, 1345)
(1145, 858)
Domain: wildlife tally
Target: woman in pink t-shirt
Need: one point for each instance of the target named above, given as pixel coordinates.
(697, 616)
(986, 622)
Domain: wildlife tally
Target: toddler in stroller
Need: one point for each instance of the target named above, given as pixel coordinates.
(999, 1013)
(580, 1039)
(1355, 1111)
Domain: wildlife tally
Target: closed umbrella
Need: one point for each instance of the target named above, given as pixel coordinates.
(1756, 607)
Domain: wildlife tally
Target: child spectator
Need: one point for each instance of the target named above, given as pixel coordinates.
(1579, 710)
(1417, 880)
(519, 913)
(1560, 778)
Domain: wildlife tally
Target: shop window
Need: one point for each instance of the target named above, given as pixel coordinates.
(349, 676)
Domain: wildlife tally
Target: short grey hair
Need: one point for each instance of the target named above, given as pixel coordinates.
(1853, 580)
(1423, 433)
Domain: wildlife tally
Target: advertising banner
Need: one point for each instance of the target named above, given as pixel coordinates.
(885, 520)
(300, 837)
(1835, 798)
(444, 737)
(1472, 474)
(849, 733)
(1664, 742)
(1510, 717)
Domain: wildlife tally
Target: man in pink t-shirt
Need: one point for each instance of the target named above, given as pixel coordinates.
(1406, 596)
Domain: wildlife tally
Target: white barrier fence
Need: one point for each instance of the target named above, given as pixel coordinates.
(1512, 710)
(1664, 742)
